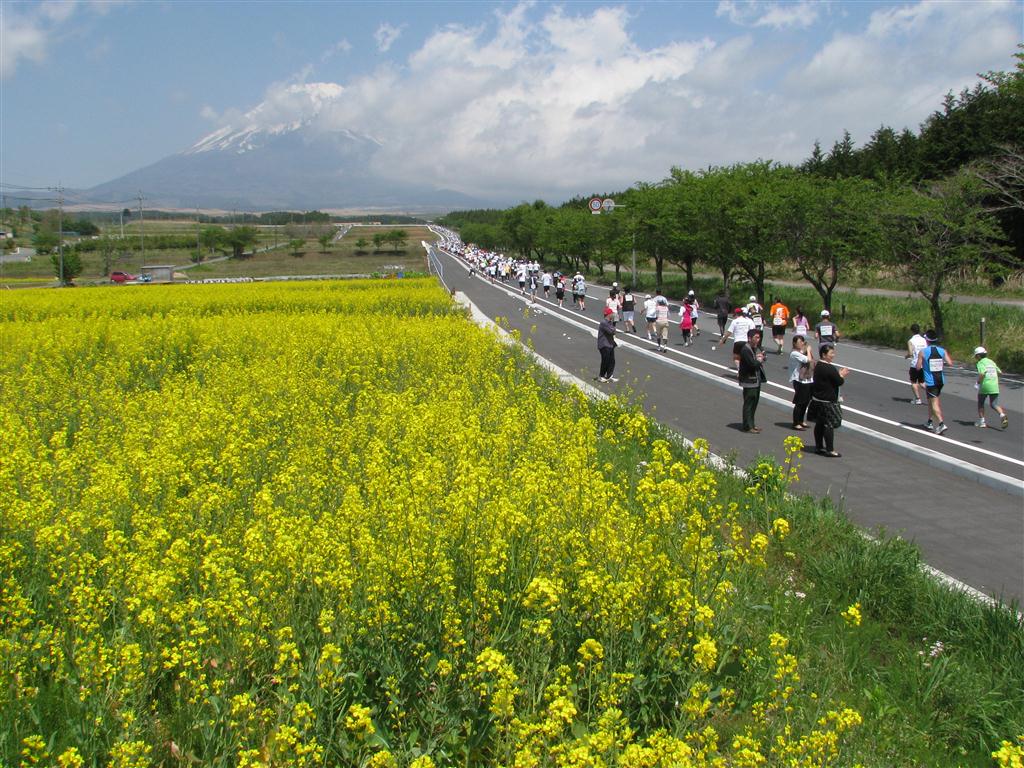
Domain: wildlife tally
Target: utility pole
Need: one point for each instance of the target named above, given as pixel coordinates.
(199, 250)
(142, 240)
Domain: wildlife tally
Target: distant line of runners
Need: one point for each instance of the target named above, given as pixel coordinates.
(815, 379)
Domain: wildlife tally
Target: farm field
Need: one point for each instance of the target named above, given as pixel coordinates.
(335, 523)
(340, 258)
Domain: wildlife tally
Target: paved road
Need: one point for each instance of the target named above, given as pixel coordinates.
(958, 496)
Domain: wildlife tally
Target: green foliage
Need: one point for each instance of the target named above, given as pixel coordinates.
(296, 246)
(67, 267)
(325, 241)
(45, 240)
(238, 239)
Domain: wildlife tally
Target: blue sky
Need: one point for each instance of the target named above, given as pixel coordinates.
(527, 99)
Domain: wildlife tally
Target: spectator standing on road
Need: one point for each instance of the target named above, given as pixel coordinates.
(988, 387)
(650, 315)
(801, 366)
(661, 322)
(751, 377)
(825, 410)
(629, 310)
(606, 346)
(801, 325)
(915, 344)
(932, 361)
(722, 307)
(779, 314)
(825, 331)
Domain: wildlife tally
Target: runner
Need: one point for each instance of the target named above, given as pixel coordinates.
(629, 310)
(915, 344)
(579, 291)
(522, 278)
(694, 310)
(825, 331)
(560, 289)
(779, 314)
(545, 282)
(801, 324)
(755, 312)
(825, 410)
(751, 376)
(650, 315)
(612, 302)
(722, 307)
(739, 329)
(661, 322)
(801, 365)
(931, 361)
(988, 387)
(686, 322)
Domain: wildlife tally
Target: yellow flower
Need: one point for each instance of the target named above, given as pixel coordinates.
(358, 721)
(852, 615)
(780, 527)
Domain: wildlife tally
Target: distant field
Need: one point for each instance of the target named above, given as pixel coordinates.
(342, 257)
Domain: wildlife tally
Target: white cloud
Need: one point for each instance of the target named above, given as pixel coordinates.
(27, 35)
(342, 46)
(21, 38)
(386, 35)
(545, 101)
(756, 13)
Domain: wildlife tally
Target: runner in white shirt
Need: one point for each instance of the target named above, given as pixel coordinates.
(915, 344)
(739, 329)
(650, 315)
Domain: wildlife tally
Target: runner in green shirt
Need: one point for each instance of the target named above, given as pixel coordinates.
(988, 387)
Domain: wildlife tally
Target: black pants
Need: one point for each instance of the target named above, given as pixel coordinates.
(607, 362)
(823, 436)
(801, 399)
(721, 325)
(751, 397)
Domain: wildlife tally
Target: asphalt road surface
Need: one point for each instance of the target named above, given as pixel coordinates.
(959, 496)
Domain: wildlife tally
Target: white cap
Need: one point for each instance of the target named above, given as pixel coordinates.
(690, 293)
(824, 313)
(980, 351)
(752, 298)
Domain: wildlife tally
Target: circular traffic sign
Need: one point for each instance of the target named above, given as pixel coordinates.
(595, 204)
(608, 204)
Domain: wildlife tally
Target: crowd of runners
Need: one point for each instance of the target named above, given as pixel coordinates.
(815, 378)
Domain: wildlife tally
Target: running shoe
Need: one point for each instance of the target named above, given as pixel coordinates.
(980, 423)
(602, 379)
(929, 426)
(941, 428)
(1005, 420)
(916, 401)
(613, 379)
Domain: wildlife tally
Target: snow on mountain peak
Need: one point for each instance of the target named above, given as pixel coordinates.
(285, 109)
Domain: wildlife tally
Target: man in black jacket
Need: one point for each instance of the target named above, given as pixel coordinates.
(751, 376)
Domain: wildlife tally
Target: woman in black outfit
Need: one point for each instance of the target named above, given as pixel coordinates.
(825, 409)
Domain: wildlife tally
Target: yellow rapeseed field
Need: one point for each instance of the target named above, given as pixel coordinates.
(338, 524)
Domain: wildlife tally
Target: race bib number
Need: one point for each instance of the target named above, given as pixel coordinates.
(935, 365)
(826, 330)
(990, 373)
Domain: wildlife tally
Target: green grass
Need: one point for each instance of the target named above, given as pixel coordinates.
(937, 676)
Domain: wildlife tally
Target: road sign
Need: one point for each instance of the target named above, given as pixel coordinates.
(608, 204)
(595, 205)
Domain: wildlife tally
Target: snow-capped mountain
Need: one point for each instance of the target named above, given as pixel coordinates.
(282, 154)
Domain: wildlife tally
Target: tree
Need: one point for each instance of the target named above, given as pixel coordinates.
(325, 241)
(939, 232)
(826, 225)
(397, 238)
(361, 244)
(45, 240)
(107, 247)
(240, 238)
(296, 246)
(212, 237)
(378, 241)
(67, 267)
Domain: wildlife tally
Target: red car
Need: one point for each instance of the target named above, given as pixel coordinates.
(120, 277)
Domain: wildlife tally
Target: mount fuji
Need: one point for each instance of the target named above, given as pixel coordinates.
(280, 155)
